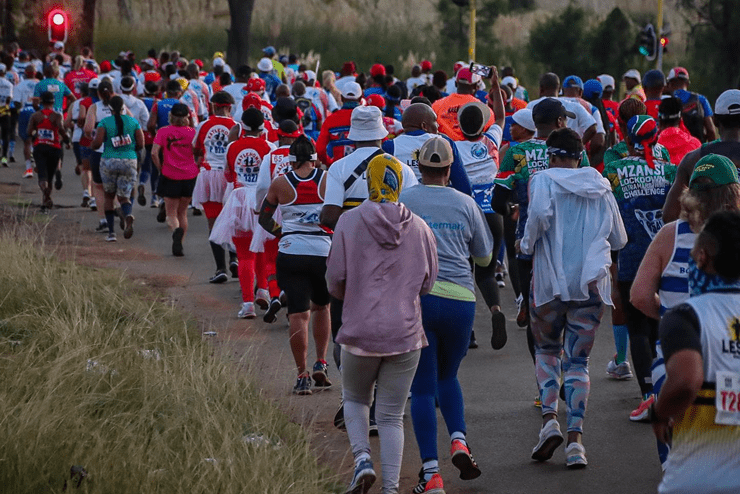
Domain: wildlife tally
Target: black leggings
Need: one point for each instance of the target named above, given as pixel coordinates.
(643, 332)
(47, 159)
(6, 133)
(525, 280)
(485, 277)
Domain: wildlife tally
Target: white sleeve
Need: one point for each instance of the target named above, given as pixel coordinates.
(197, 133)
(496, 134)
(263, 180)
(539, 212)
(618, 237)
(409, 178)
(334, 195)
(333, 106)
(584, 119)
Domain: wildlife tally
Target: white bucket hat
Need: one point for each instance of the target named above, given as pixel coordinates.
(367, 124)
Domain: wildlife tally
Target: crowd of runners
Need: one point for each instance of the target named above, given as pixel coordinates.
(371, 207)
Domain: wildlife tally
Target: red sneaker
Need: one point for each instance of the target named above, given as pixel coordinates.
(463, 460)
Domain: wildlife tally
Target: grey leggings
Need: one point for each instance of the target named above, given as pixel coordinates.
(394, 376)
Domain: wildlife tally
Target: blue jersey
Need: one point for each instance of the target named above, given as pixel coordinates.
(57, 88)
(271, 84)
(164, 107)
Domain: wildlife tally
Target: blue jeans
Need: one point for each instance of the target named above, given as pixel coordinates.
(148, 170)
(447, 324)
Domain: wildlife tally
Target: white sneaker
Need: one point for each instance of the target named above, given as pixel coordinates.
(29, 173)
(619, 371)
(550, 439)
(262, 298)
(247, 311)
(575, 456)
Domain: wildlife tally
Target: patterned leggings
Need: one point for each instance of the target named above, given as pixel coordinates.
(565, 327)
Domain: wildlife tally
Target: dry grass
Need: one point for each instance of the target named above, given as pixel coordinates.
(95, 377)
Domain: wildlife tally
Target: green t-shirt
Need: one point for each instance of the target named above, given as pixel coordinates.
(620, 151)
(123, 146)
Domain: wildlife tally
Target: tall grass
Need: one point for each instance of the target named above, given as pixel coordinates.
(96, 376)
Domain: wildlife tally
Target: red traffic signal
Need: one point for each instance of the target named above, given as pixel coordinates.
(58, 22)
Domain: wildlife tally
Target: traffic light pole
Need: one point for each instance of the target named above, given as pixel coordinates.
(471, 40)
(659, 34)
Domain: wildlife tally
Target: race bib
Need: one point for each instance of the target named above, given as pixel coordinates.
(119, 141)
(728, 398)
(46, 134)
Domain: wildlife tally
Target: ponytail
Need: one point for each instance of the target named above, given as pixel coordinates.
(116, 106)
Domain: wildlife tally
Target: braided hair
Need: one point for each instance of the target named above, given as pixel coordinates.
(116, 106)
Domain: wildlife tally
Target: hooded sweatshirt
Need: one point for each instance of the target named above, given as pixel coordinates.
(383, 257)
(573, 224)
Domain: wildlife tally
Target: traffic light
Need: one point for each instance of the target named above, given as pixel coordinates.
(58, 22)
(648, 42)
(664, 43)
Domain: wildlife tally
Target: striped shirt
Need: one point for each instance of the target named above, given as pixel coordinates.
(674, 281)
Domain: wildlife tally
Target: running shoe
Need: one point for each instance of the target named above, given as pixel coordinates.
(85, 201)
(219, 277)
(197, 212)
(283, 298)
(57, 179)
(339, 416)
(262, 298)
(4, 162)
(321, 375)
(234, 268)
(498, 325)
(500, 280)
(154, 203)
(177, 236)
(463, 460)
(522, 316)
(140, 197)
(271, 314)
(618, 371)
(128, 231)
(550, 439)
(640, 414)
(363, 478)
(473, 342)
(93, 204)
(102, 227)
(111, 237)
(302, 385)
(162, 214)
(432, 486)
(29, 173)
(12, 159)
(247, 311)
(575, 456)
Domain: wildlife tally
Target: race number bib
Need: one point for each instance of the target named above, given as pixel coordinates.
(46, 134)
(728, 398)
(119, 141)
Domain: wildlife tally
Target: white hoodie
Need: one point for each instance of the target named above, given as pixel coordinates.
(573, 224)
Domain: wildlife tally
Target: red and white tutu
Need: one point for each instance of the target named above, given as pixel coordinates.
(210, 186)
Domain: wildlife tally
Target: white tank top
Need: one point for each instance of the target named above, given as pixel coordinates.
(101, 111)
(302, 234)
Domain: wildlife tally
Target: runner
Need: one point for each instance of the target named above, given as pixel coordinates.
(140, 112)
(71, 123)
(447, 311)
(632, 81)
(301, 260)
(122, 137)
(237, 222)
(46, 129)
(211, 138)
(52, 84)
(696, 111)
(148, 172)
(447, 108)
(640, 201)
(177, 171)
(697, 410)
(573, 224)
(727, 115)
(676, 140)
(479, 155)
(383, 258)
(333, 143)
(77, 76)
(6, 99)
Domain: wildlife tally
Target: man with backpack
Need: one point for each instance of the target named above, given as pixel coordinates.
(696, 112)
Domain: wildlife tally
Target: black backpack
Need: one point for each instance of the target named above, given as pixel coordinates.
(692, 114)
(305, 105)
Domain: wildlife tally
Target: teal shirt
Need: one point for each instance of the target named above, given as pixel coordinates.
(124, 146)
(57, 88)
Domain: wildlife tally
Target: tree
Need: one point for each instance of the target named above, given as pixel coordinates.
(714, 43)
(241, 22)
(612, 45)
(86, 30)
(559, 42)
(8, 21)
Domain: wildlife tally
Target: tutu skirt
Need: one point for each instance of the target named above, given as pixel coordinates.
(210, 186)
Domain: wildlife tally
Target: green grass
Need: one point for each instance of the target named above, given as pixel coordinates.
(97, 376)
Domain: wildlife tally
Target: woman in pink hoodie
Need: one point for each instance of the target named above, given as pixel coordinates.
(383, 257)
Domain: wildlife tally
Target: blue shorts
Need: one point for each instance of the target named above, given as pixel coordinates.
(23, 118)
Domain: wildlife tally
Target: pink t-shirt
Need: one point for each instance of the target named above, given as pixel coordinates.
(177, 151)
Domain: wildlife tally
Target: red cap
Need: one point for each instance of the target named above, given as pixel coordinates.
(377, 70)
(348, 67)
(198, 62)
(376, 100)
(255, 84)
(105, 66)
(466, 76)
(678, 73)
(251, 100)
(426, 65)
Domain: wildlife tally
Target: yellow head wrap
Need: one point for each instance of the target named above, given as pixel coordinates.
(384, 178)
(183, 83)
(219, 54)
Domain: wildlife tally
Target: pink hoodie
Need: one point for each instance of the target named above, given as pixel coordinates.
(382, 258)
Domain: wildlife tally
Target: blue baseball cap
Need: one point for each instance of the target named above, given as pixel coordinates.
(591, 88)
(653, 78)
(573, 81)
(268, 50)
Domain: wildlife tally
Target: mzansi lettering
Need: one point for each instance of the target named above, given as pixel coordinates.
(629, 171)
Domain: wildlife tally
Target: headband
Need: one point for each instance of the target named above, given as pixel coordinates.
(294, 159)
(563, 153)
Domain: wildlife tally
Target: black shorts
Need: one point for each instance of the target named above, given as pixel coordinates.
(303, 279)
(175, 189)
(95, 158)
(47, 159)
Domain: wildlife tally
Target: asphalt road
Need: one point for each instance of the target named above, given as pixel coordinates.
(499, 386)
